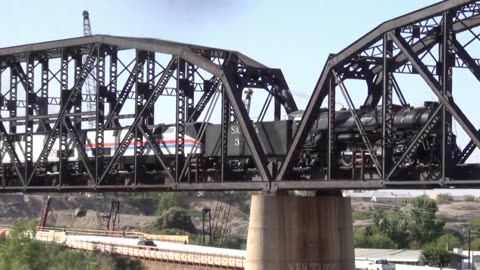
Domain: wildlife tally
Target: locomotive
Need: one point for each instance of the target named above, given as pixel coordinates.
(311, 161)
(203, 144)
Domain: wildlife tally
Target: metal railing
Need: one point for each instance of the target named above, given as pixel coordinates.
(183, 239)
(187, 257)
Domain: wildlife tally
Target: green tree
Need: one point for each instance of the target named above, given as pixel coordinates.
(175, 218)
(73, 260)
(474, 245)
(167, 200)
(398, 231)
(359, 215)
(380, 224)
(448, 241)
(395, 228)
(77, 260)
(474, 226)
(20, 251)
(424, 225)
(381, 241)
(363, 239)
(435, 255)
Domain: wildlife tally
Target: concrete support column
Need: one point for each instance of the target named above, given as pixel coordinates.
(300, 233)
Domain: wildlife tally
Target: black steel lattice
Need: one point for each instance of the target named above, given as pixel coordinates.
(54, 108)
(379, 144)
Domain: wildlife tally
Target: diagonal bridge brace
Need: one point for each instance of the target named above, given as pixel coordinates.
(321, 90)
(417, 140)
(358, 123)
(319, 93)
(127, 88)
(76, 90)
(232, 90)
(212, 85)
(10, 149)
(448, 102)
(18, 70)
(475, 69)
(426, 43)
(67, 123)
(157, 91)
(156, 149)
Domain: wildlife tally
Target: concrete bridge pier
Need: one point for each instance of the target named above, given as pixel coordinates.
(300, 233)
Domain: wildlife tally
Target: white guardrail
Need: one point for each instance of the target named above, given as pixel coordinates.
(177, 256)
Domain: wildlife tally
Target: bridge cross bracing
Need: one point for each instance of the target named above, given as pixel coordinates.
(74, 157)
(46, 145)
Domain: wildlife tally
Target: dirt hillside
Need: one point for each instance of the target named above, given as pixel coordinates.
(135, 214)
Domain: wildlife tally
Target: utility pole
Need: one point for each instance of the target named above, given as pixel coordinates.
(90, 85)
(469, 243)
(101, 199)
(204, 215)
(469, 248)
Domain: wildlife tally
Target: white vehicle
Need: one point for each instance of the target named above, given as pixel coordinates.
(381, 265)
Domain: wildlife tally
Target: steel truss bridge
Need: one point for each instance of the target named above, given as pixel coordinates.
(46, 145)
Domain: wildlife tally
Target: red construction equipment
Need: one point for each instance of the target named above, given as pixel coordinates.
(112, 219)
(46, 209)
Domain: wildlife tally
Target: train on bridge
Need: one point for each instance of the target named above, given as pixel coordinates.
(62, 136)
(202, 146)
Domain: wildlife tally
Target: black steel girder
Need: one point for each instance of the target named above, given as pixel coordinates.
(396, 46)
(56, 129)
(436, 88)
(366, 59)
(424, 44)
(27, 83)
(144, 83)
(140, 114)
(475, 70)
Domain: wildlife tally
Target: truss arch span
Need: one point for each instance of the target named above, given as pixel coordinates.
(429, 44)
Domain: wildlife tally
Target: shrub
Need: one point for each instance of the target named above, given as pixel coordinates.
(448, 241)
(19, 251)
(469, 198)
(381, 241)
(234, 243)
(357, 215)
(167, 200)
(174, 218)
(147, 206)
(363, 240)
(444, 199)
(474, 245)
(435, 255)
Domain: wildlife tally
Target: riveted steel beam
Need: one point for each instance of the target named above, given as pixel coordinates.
(320, 91)
(233, 92)
(475, 70)
(66, 106)
(448, 102)
(424, 44)
(162, 82)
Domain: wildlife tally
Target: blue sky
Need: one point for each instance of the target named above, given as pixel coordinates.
(295, 36)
